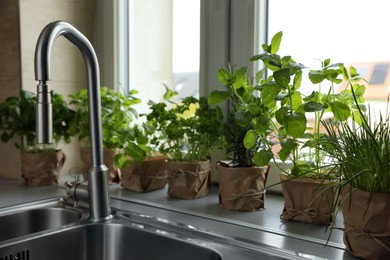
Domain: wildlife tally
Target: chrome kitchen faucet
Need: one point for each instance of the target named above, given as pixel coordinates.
(99, 204)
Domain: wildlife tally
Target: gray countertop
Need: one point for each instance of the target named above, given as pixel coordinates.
(13, 192)
(254, 227)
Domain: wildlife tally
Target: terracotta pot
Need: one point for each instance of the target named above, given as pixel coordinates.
(149, 175)
(108, 156)
(188, 180)
(307, 200)
(242, 188)
(366, 230)
(40, 169)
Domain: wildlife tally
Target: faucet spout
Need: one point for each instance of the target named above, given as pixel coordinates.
(98, 174)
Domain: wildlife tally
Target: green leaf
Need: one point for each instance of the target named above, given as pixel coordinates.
(332, 74)
(261, 123)
(239, 78)
(282, 77)
(275, 42)
(326, 63)
(218, 96)
(357, 117)
(316, 76)
(297, 80)
(263, 157)
(243, 118)
(353, 73)
(359, 89)
(169, 93)
(259, 56)
(250, 139)
(270, 92)
(288, 146)
(295, 124)
(271, 61)
(280, 114)
(296, 99)
(344, 72)
(135, 152)
(340, 110)
(121, 161)
(224, 76)
(312, 106)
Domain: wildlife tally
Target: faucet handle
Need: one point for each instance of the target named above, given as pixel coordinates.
(68, 185)
(77, 191)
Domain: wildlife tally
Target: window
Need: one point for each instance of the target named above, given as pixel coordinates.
(186, 47)
(344, 31)
(159, 45)
(379, 74)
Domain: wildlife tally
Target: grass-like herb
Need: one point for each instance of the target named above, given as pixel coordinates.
(361, 152)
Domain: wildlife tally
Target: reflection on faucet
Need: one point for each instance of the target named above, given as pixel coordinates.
(98, 174)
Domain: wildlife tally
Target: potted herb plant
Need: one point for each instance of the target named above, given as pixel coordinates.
(142, 166)
(242, 179)
(361, 154)
(307, 198)
(305, 182)
(117, 116)
(187, 132)
(41, 164)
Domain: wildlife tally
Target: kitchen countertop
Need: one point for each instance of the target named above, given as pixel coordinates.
(14, 192)
(263, 227)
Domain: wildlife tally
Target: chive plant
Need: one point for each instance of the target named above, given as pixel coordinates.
(361, 152)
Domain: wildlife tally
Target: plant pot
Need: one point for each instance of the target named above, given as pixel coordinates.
(188, 180)
(108, 156)
(366, 230)
(149, 175)
(41, 169)
(242, 188)
(307, 200)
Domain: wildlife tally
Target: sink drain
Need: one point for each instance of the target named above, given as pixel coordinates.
(22, 255)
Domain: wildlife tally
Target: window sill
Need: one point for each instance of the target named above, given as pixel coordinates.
(267, 220)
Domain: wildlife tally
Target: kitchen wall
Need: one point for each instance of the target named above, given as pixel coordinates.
(10, 77)
(20, 25)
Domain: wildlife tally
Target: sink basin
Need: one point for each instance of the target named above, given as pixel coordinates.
(52, 230)
(35, 220)
(111, 241)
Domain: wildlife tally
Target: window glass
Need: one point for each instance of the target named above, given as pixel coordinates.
(379, 74)
(345, 31)
(164, 48)
(186, 47)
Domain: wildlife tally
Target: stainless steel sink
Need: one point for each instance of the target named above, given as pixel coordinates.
(35, 220)
(105, 241)
(54, 231)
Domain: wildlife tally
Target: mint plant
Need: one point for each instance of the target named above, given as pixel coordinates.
(264, 112)
(282, 90)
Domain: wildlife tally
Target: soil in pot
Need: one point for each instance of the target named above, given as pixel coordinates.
(188, 180)
(41, 169)
(147, 176)
(307, 200)
(242, 188)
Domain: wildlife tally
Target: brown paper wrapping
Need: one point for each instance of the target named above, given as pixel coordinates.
(306, 200)
(149, 175)
(40, 169)
(366, 234)
(188, 180)
(242, 188)
(108, 156)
